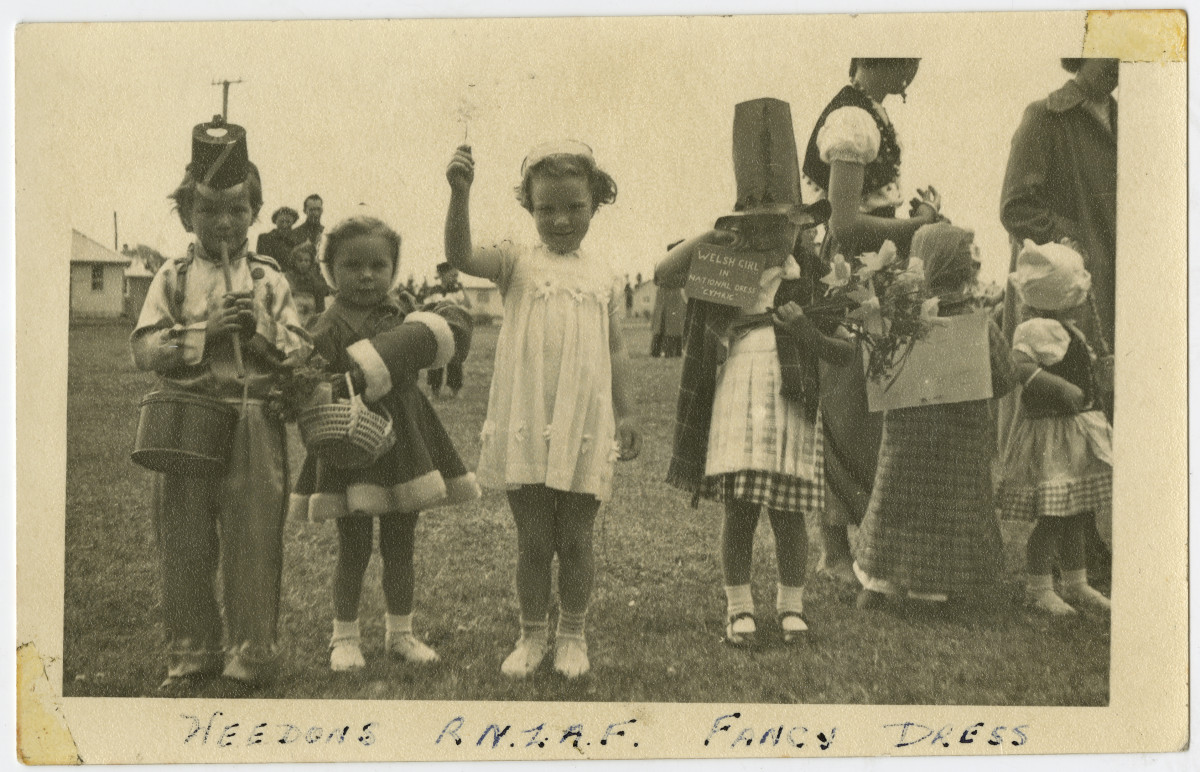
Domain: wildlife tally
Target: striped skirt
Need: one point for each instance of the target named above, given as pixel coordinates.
(761, 447)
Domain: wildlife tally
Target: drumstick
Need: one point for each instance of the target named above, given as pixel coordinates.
(237, 342)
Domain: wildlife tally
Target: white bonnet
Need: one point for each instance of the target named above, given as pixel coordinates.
(1050, 277)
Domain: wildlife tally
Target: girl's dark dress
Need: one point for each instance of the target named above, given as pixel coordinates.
(422, 470)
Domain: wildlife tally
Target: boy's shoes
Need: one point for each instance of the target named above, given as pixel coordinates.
(1048, 602)
(741, 630)
(410, 648)
(1086, 598)
(570, 655)
(251, 665)
(792, 627)
(526, 657)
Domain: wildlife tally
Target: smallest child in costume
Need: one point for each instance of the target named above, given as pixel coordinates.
(1058, 461)
(366, 334)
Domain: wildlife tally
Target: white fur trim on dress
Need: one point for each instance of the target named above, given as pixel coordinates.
(441, 333)
(379, 380)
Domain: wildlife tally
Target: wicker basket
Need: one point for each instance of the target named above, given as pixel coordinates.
(346, 434)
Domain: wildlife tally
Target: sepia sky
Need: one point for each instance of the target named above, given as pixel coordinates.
(368, 113)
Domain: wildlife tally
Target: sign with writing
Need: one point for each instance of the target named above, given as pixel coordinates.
(727, 276)
(951, 364)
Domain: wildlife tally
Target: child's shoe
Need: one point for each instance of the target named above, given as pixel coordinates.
(570, 655)
(345, 647)
(792, 627)
(1048, 602)
(741, 630)
(527, 656)
(410, 648)
(1082, 595)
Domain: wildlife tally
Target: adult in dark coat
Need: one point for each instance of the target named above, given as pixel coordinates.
(1061, 184)
(278, 243)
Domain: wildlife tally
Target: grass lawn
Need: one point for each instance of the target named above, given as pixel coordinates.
(656, 619)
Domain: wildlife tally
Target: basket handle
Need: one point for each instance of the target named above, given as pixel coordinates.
(356, 404)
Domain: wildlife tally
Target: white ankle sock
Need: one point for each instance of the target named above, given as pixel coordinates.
(1075, 578)
(534, 628)
(1039, 583)
(398, 624)
(345, 630)
(571, 624)
(789, 599)
(739, 600)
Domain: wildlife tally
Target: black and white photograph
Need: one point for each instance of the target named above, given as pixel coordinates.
(553, 381)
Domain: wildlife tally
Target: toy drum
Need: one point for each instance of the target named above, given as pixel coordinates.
(185, 434)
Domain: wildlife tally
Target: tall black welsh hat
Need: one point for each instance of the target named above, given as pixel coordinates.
(219, 156)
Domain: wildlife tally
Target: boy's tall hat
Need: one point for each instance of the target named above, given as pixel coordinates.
(220, 158)
(766, 165)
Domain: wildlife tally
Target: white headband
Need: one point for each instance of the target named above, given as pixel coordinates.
(562, 147)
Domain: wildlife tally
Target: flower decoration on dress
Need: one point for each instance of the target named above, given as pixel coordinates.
(585, 444)
(615, 453)
(546, 432)
(521, 432)
(576, 295)
(545, 289)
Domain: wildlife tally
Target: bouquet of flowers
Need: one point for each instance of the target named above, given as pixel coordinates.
(885, 305)
(299, 387)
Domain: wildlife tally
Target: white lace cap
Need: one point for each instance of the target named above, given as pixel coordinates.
(560, 147)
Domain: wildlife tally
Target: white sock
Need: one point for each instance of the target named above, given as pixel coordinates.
(789, 599)
(398, 624)
(739, 600)
(1075, 578)
(534, 628)
(1036, 584)
(571, 624)
(345, 630)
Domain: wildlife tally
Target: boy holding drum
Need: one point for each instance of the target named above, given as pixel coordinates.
(217, 325)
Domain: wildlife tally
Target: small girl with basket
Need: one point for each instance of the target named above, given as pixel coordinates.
(377, 350)
(558, 396)
(1058, 459)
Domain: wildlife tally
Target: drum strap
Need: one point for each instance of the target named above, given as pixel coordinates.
(180, 290)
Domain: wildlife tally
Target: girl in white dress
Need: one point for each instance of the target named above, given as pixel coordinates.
(558, 412)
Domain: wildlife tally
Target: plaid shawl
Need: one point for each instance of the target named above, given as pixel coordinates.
(705, 351)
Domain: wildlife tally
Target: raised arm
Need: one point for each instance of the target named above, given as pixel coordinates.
(460, 173)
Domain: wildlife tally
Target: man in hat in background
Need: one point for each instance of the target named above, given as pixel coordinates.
(447, 290)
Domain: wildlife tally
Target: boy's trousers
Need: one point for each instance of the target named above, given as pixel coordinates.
(232, 523)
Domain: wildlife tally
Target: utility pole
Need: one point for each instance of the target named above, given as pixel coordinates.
(225, 84)
(116, 245)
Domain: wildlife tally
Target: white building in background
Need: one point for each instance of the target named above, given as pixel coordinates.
(485, 299)
(97, 279)
(643, 299)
